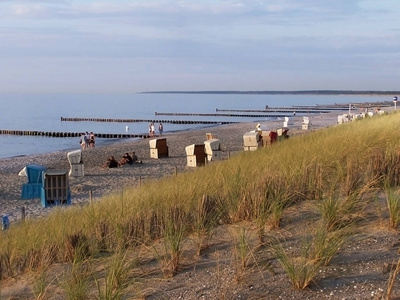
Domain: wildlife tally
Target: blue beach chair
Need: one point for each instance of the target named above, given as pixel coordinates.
(31, 190)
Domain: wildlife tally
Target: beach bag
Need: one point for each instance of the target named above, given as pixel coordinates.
(5, 222)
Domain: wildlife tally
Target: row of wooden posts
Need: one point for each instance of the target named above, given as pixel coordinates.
(108, 120)
(69, 134)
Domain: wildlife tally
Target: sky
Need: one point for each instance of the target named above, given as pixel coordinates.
(121, 46)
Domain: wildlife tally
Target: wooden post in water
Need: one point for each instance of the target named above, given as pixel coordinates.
(176, 171)
(91, 197)
(23, 213)
(140, 182)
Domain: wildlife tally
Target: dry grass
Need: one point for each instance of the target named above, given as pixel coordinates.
(393, 203)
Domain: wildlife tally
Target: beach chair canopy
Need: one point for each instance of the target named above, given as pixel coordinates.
(34, 173)
(75, 157)
(158, 143)
(252, 139)
(194, 149)
(212, 145)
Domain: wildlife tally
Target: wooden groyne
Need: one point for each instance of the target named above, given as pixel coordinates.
(345, 106)
(227, 115)
(309, 109)
(269, 110)
(105, 120)
(70, 134)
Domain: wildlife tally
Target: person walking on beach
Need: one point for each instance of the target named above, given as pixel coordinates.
(82, 141)
(152, 129)
(150, 124)
(160, 128)
(86, 139)
(91, 140)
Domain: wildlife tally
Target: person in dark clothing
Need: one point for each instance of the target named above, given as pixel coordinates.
(135, 158)
(126, 159)
(112, 163)
(91, 140)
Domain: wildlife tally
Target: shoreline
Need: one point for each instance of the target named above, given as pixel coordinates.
(100, 141)
(101, 181)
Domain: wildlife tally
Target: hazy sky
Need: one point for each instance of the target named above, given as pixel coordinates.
(121, 46)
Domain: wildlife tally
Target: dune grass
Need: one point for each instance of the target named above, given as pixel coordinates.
(345, 162)
(393, 203)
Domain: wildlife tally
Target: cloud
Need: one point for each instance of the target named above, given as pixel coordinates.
(27, 11)
(203, 40)
(88, 9)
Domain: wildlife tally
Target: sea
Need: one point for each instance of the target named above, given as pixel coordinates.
(43, 112)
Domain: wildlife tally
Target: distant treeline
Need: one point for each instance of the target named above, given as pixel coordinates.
(305, 92)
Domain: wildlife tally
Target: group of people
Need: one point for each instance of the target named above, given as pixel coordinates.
(87, 140)
(125, 160)
(152, 129)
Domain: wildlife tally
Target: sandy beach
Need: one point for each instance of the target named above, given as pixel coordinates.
(100, 181)
(360, 270)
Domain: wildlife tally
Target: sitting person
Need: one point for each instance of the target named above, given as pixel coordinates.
(285, 133)
(112, 163)
(126, 159)
(135, 158)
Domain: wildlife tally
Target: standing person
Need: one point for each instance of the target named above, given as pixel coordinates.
(82, 141)
(91, 140)
(152, 129)
(87, 139)
(160, 128)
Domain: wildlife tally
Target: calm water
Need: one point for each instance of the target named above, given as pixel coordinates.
(42, 112)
